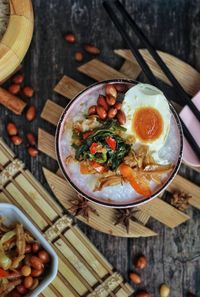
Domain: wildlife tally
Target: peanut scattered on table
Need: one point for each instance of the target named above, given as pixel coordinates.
(141, 262)
(164, 290)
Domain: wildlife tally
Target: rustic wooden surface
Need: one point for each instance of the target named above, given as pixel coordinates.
(174, 27)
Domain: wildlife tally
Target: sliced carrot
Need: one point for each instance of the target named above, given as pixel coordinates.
(137, 181)
(98, 167)
(84, 168)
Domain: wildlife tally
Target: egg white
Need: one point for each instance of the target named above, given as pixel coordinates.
(145, 95)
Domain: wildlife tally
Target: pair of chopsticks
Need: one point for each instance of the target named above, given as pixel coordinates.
(147, 71)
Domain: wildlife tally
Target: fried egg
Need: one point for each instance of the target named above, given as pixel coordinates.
(147, 115)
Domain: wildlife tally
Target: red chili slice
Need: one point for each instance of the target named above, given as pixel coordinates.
(93, 148)
(111, 142)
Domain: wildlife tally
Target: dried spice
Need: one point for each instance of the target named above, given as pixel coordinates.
(81, 206)
(180, 200)
(123, 217)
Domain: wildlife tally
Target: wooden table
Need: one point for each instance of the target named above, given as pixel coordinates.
(173, 26)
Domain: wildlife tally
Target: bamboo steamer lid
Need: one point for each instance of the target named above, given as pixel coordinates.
(17, 38)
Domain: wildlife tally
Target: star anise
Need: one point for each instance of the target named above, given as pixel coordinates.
(180, 200)
(81, 206)
(123, 216)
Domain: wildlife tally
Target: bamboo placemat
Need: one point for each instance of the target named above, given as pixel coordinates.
(158, 208)
(82, 271)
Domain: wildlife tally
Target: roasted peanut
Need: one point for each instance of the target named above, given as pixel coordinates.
(36, 273)
(28, 282)
(21, 289)
(101, 112)
(18, 79)
(14, 89)
(112, 113)
(102, 101)
(16, 139)
(164, 290)
(118, 105)
(70, 37)
(121, 117)
(121, 88)
(28, 249)
(44, 256)
(92, 110)
(78, 56)
(32, 151)
(31, 138)
(141, 262)
(135, 278)
(142, 293)
(26, 270)
(36, 262)
(11, 129)
(110, 100)
(35, 247)
(110, 90)
(31, 113)
(91, 49)
(28, 91)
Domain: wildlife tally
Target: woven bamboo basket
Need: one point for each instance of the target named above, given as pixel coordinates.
(17, 37)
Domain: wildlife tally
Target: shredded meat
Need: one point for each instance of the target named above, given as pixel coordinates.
(108, 181)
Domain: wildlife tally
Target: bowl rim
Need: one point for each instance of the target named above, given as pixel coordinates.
(104, 203)
(39, 236)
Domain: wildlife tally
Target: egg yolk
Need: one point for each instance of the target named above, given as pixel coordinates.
(147, 123)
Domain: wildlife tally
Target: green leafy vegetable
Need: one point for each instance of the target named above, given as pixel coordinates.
(111, 158)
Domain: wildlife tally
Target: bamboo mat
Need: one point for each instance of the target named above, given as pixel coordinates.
(158, 208)
(82, 271)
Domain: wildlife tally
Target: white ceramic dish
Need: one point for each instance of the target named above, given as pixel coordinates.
(12, 215)
(120, 196)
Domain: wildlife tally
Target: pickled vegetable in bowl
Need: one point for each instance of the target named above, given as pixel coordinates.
(23, 261)
(116, 144)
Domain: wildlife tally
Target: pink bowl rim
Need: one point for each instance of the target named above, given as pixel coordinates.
(104, 203)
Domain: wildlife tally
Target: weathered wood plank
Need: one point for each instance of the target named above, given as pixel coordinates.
(68, 87)
(100, 71)
(164, 213)
(46, 143)
(51, 112)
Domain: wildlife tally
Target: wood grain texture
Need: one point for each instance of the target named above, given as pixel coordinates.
(17, 37)
(100, 71)
(105, 221)
(82, 270)
(173, 27)
(188, 77)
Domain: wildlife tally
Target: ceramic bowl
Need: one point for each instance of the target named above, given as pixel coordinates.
(12, 214)
(80, 105)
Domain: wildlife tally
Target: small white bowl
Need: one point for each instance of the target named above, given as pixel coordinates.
(12, 214)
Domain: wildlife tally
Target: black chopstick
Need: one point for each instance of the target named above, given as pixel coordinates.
(147, 71)
(178, 88)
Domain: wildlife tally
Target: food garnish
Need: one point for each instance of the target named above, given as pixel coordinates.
(123, 216)
(81, 206)
(180, 200)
